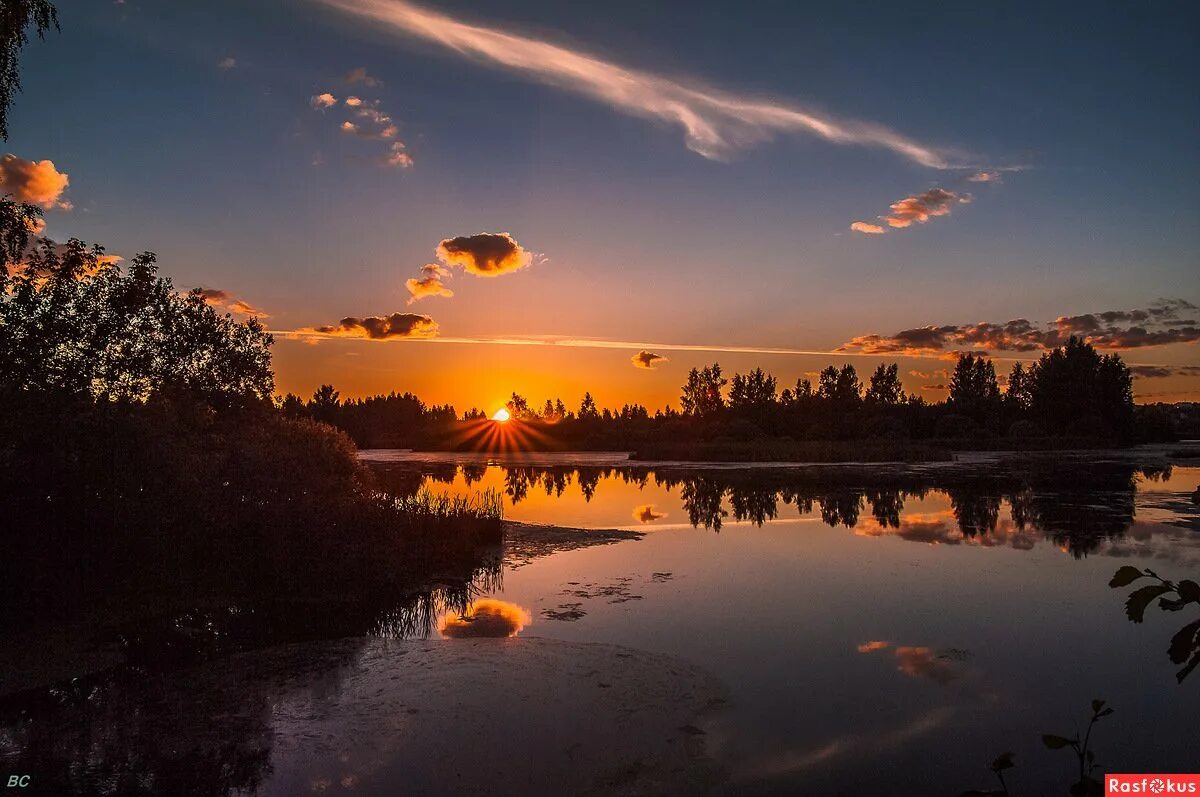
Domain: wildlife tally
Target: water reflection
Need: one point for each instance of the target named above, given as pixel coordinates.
(486, 617)
(1079, 510)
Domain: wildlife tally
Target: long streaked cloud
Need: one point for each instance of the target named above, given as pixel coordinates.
(1164, 371)
(715, 123)
(1166, 321)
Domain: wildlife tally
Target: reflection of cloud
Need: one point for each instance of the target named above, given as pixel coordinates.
(396, 325)
(647, 514)
(486, 617)
(1162, 323)
(647, 360)
(715, 123)
(485, 254)
(35, 182)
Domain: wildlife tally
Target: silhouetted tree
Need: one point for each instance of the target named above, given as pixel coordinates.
(1075, 390)
(324, 404)
(702, 393)
(587, 408)
(16, 17)
(974, 391)
(1017, 395)
(885, 386)
(841, 386)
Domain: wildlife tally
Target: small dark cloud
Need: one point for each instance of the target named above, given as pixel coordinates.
(648, 360)
(1163, 371)
(359, 76)
(396, 325)
(485, 254)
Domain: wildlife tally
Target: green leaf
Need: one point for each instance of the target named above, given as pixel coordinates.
(1139, 599)
(1003, 761)
(1125, 576)
(1183, 642)
(1055, 742)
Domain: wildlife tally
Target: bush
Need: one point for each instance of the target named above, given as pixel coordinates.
(950, 427)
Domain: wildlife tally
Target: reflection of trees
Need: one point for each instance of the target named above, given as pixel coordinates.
(976, 511)
(758, 505)
(886, 506)
(702, 502)
(841, 508)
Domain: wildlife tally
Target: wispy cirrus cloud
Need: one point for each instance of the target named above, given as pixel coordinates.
(1164, 322)
(715, 123)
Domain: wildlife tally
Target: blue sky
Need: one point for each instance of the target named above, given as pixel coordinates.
(238, 183)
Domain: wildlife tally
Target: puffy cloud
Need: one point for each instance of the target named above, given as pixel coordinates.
(224, 299)
(227, 63)
(396, 156)
(485, 254)
(353, 101)
(924, 206)
(396, 325)
(429, 284)
(869, 229)
(716, 124)
(359, 75)
(486, 617)
(648, 360)
(35, 182)
(1162, 323)
(322, 101)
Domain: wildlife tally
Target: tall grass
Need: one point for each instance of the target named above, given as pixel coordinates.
(428, 505)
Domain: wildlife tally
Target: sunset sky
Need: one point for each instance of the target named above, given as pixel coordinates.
(773, 183)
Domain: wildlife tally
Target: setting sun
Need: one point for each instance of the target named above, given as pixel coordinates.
(501, 415)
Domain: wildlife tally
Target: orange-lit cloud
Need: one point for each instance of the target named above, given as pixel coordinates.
(647, 514)
(486, 617)
(921, 662)
(430, 283)
(397, 156)
(224, 299)
(869, 229)
(485, 254)
(716, 124)
(873, 645)
(1166, 321)
(35, 182)
(924, 206)
(647, 360)
(985, 177)
(322, 101)
(396, 325)
(359, 75)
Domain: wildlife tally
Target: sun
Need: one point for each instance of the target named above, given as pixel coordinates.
(501, 415)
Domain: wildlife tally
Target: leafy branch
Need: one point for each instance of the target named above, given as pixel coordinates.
(1172, 597)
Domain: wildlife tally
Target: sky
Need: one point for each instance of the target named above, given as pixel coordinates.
(779, 184)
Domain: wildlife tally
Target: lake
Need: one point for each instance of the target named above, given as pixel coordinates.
(872, 630)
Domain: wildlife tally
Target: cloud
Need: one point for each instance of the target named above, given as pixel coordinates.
(396, 156)
(715, 123)
(224, 299)
(396, 325)
(486, 617)
(921, 662)
(35, 182)
(353, 101)
(359, 75)
(985, 177)
(873, 645)
(869, 229)
(647, 514)
(1163, 371)
(647, 360)
(322, 101)
(924, 206)
(430, 283)
(485, 254)
(227, 63)
(1162, 323)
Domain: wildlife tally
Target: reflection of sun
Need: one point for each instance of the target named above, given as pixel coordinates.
(501, 415)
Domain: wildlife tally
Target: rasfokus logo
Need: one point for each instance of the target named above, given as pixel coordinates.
(1151, 784)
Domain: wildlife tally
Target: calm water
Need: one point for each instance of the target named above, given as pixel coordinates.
(888, 636)
(878, 631)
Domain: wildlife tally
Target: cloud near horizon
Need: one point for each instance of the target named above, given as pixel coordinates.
(396, 325)
(485, 254)
(1163, 371)
(1166, 321)
(647, 360)
(716, 124)
(35, 182)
